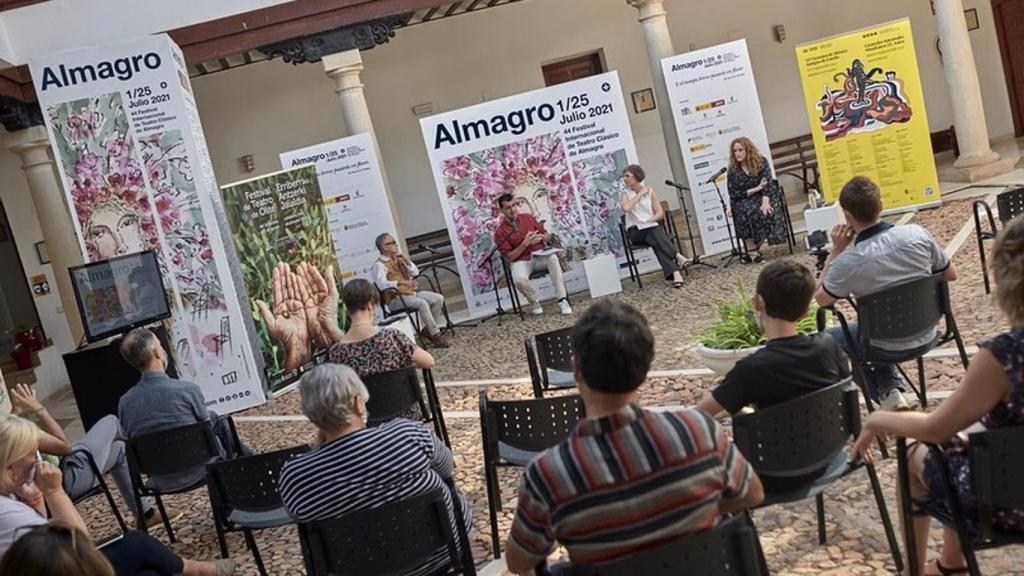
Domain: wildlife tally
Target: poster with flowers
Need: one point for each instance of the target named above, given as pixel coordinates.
(558, 151)
(127, 148)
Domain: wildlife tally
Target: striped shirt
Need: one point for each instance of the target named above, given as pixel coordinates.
(367, 469)
(625, 482)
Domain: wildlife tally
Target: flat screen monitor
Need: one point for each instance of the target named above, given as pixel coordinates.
(119, 294)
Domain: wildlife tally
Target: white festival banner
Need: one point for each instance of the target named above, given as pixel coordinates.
(354, 197)
(559, 150)
(134, 164)
(714, 100)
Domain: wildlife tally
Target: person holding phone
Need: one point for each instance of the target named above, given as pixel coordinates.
(754, 199)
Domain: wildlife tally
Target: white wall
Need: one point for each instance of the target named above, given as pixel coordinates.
(270, 107)
(48, 27)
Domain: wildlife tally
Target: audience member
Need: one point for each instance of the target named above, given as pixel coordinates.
(517, 238)
(159, 402)
(644, 213)
(395, 270)
(367, 348)
(790, 364)
(868, 256)
(29, 488)
(649, 476)
(54, 549)
(990, 396)
(103, 442)
(353, 467)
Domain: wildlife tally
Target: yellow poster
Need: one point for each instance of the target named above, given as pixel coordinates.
(866, 108)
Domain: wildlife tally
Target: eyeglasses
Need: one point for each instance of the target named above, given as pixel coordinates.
(390, 243)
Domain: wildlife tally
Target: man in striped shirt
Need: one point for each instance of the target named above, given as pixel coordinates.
(356, 468)
(627, 479)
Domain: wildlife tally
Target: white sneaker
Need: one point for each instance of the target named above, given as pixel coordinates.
(537, 309)
(564, 308)
(894, 402)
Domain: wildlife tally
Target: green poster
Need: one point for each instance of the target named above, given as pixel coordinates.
(286, 255)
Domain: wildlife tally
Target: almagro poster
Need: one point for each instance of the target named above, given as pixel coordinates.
(354, 197)
(137, 174)
(865, 105)
(286, 253)
(714, 101)
(559, 150)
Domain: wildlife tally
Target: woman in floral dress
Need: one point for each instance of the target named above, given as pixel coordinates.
(990, 396)
(754, 198)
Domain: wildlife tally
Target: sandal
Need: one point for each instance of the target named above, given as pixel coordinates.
(949, 571)
(758, 258)
(677, 285)
(744, 258)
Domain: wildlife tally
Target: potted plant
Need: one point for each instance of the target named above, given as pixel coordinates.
(27, 341)
(737, 334)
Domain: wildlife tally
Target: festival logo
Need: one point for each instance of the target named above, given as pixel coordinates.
(863, 104)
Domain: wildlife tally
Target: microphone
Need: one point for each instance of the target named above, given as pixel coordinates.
(675, 185)
(717, 174)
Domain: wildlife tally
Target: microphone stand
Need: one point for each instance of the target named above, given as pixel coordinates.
(500, 310)
(695, 259)
(734, 244)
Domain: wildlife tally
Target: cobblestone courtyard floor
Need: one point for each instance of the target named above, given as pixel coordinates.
(856, 543)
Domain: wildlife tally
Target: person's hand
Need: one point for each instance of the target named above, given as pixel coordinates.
(48, 479)
(532, 238)
(766, 207)
(32, 496)
(324, 291)
(864, 447)
(842, 236)
(286, 322)
(23, 399)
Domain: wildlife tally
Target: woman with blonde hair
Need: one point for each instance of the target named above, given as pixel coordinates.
(29, 486)
(754, 199)
(990, 396)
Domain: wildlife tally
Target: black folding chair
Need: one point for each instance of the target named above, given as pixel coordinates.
(393, 394)
(171, 451)
(389, 540)
(244, 497)
(100, 487)
(514, 431)
(1008, 205)
(899, 312)
(997, 474)
(790, 443)
(630, 247)
(730, 549)
(550, 361)
(392, 294)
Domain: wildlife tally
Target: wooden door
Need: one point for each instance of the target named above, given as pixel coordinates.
(572, 69)
(1009, 16)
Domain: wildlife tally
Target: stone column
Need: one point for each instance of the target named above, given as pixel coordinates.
(33, 146)
(977, 160)
(345, 69)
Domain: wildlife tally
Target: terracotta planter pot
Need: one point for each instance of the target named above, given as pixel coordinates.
(721, 361)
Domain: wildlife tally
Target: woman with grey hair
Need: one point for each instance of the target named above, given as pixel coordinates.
(353, 467)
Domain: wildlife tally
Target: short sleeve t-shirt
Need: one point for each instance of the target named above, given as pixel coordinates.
(785, 369)
(15, 518)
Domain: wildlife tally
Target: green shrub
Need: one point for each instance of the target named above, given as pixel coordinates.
(737, 324)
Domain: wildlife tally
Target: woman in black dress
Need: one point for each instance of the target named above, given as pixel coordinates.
(754, 199)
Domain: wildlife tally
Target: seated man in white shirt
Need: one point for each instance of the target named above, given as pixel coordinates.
(394, 270)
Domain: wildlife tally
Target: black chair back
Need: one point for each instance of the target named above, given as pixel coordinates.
(730, 549)
(799, 436)
(393, 394)
(173, 450)
(997, 470)
(388, 540)
(904, 310)
(531, 425)
(1010, 204)
(249, 483)
(554, 351)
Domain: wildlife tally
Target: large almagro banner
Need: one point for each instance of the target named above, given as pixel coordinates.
(714, 100)
(287, 261)
(559, 150)
(354, 197)
(134, 164)
(865, 105)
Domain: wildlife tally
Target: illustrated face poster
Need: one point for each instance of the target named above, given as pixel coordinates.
(559, 151)
(865, 105)
(136, 171)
